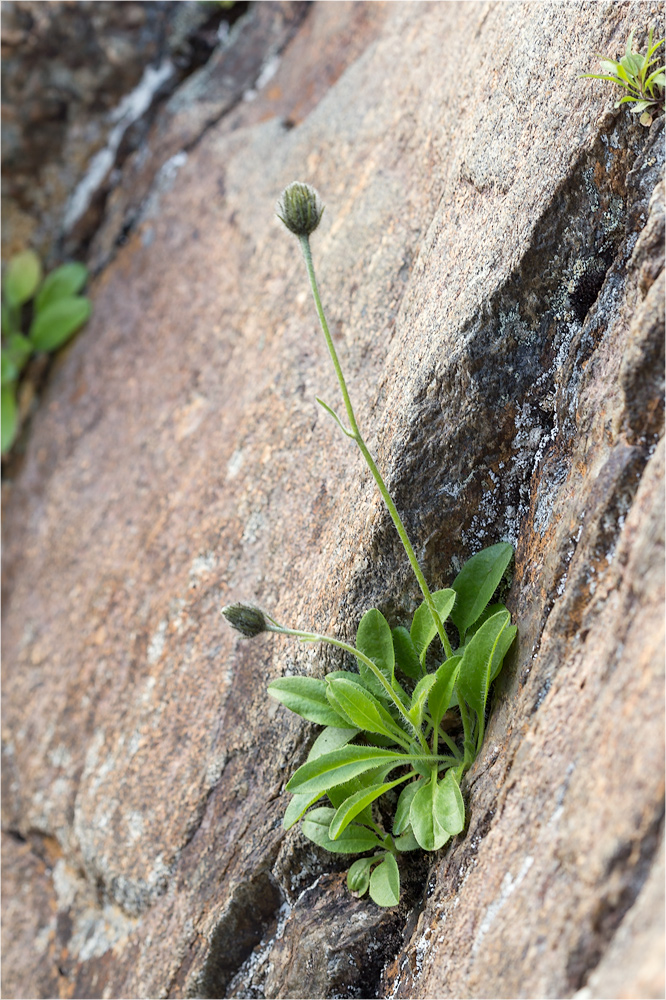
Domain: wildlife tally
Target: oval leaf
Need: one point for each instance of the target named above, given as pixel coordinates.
(354, 840)
(62, 283)
(331, 738)
(306, 696)
(476, 583)
(58, 321)
(423, 629)
(358, 876)
(401, 818)
(449, 805)
(406, 656)
(373, 638)
(475, 672)
(23, 274)
(385, 883)
(428, 831)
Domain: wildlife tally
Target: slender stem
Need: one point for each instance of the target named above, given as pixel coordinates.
(370, 462)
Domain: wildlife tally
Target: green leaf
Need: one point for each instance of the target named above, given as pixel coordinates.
(7, 323)
(18, 349)
(333, 414)
(423, 629)
(9, 369)
(385, 882)
(475, 671)
(423, 816)
(62, 283)
(407, 841)
(476, 583)
(306, 696)
(8, 416)
(450, 808)
(640, 106)
(362, 709)
(58, 322)
(329, 739)
(406, 655)
(374, 639)
(23, 274)
(355, 804)
(358, 876)
(419, 697)
(401, 818)
(441, 693)
(354, 840)
(335, 768)
(298, 805)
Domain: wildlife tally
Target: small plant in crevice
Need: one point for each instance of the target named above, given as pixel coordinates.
(52, 311)
(641, 77)
(388, 727)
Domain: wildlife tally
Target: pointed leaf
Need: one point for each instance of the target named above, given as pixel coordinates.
(419, 696)
(374, 639)
(423, 629)
(352, 806)
(406, 655)
(354, 840)
(476, 583)
(358, 876)
(306, 696)
(449, 805)
(334, 768)
(298, 805)
(331, 739)
(385, 883)
(476, 668)
(58, 321)
(441, 693)
(8, 415)
(62, 283)
(362, 709)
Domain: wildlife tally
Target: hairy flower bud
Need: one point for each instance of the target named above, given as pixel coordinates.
(300, 208)
(245, 618)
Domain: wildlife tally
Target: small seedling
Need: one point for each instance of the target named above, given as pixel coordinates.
(393, 716)
(57, 312)
(640, 76)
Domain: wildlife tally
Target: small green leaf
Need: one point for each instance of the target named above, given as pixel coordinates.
(62, 283)
(329, 739)
(7, 323)
(640, 106)
(8, 416)
(401, 818)
(335, 768)
(419, 696)
(406, 655)
(358, 876)
(439, 699)
(385, 882)
(356, 803)
(449, 805)
(9, 369)
(362, 709)
(423, 629)
(407, 841)
(354, 840)
(23, 274)
(476, 583)
(475, 671)
(333, 414)
(58, 322)
(374, 639)
(428, 831)
(306, 696)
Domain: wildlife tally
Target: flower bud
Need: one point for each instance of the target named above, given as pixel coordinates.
(300, 208)
(245, 618)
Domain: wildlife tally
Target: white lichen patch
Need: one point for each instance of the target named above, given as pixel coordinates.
(507, 889)
(157, 643)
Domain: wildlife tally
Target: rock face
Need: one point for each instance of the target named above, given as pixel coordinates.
(492, 262)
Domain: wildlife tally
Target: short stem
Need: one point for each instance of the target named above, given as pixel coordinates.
(370, 462)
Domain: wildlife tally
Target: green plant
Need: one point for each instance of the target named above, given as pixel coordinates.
(58, 311)
(395, 713)
(635, 74)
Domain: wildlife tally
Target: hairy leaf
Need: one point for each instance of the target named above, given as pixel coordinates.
(352, 806)
(439, 698)
(354, 840)
(333, 769)
(401, 818)
(362, 709)
(385, 882)
(306, 696)
(406, 656)
(374, 639)
(423, 629)
(475, 673)
(476, 583)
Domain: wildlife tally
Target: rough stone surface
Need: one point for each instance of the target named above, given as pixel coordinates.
(492, 262)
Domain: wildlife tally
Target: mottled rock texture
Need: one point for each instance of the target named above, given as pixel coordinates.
(491, 258)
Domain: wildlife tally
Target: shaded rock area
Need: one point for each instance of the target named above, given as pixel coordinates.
(492, 262)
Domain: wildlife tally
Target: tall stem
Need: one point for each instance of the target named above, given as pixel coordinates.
(369, 460)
